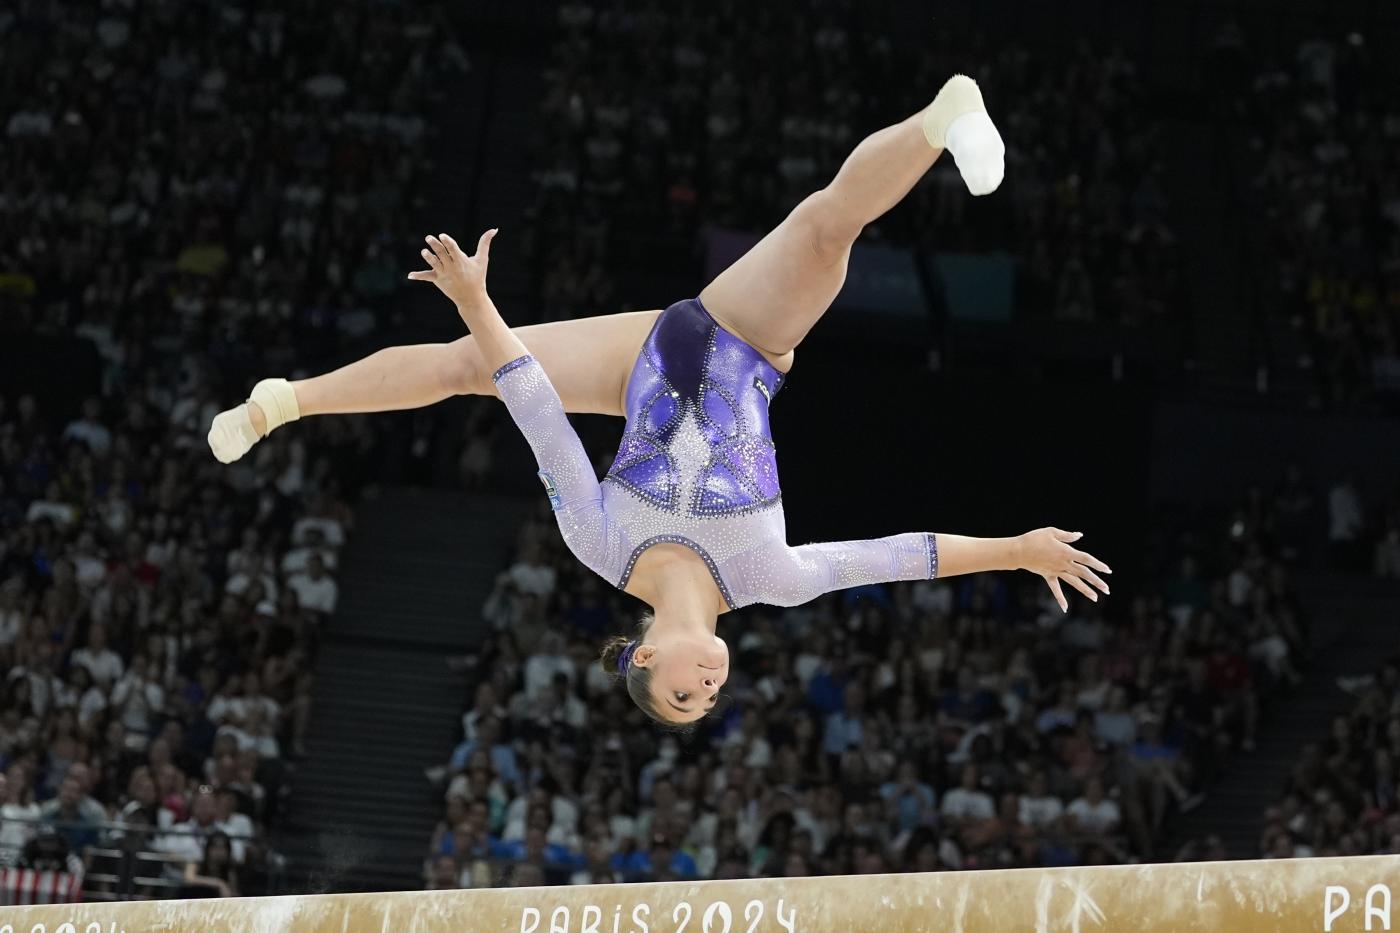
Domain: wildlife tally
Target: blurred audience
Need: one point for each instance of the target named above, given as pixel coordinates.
(169, 171)
(940, 725)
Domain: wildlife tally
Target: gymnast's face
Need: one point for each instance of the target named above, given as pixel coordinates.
(687, 669)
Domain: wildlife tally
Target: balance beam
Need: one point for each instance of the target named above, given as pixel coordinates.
(1326, 895)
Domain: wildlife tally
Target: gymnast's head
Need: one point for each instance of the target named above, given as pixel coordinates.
(672, 670)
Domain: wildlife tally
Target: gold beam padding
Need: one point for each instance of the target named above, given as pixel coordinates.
(1345, 895)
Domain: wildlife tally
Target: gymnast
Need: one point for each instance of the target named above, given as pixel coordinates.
(689, 518)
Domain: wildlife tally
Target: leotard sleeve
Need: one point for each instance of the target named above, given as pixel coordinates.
(790, 576)
(567, 474)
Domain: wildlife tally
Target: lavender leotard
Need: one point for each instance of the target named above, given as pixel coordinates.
(696, 467)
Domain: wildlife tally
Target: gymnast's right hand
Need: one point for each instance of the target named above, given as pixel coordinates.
(457, 275)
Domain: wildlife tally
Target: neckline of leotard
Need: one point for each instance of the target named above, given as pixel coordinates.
(703, 554)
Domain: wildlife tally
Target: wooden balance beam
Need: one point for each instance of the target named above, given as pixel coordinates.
(1346, 895)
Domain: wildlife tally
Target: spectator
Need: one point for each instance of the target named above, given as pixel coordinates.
(215, 869)
(1092, 812)
(315, 588)
(65, 814)
(968, 802)
(138, 701)
(101, 662)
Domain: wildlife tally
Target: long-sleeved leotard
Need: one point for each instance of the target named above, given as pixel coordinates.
(696, 467)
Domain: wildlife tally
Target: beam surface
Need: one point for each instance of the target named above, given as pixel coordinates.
(1324, 895)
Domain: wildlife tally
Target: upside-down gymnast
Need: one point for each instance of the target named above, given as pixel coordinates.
(689, 518)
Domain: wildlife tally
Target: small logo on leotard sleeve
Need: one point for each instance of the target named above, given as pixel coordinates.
(758, 384)
(551, 490)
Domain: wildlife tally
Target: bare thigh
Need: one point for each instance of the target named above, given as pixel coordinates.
(776, 292)
(589, 360)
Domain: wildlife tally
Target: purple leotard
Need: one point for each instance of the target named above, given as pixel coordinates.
(696, 467)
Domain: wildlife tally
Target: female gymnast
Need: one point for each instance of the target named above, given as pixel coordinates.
(689, 518)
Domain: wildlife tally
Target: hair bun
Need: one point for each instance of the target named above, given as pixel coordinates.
(612, 651)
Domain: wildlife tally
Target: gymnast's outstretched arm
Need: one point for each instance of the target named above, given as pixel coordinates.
(799, 574)
(534, 405)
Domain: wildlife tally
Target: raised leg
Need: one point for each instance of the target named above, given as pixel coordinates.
(775, 293)
(589, 361)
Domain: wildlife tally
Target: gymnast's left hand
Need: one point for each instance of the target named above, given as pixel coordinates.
(457, 275)
(1050, 553)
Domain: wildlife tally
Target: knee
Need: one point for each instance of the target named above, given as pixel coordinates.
(830, 224)
(460, 370)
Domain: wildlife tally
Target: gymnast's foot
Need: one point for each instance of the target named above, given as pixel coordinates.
(233, 432)
(272, 404)
(957, 120)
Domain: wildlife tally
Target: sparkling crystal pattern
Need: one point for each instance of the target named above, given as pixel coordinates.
(696, 467)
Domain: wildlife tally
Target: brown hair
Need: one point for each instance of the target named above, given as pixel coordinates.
(636, 677)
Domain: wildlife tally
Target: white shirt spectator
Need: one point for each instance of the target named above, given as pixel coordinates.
(962, 804)
(1115, 728)
(296, 559)
(1101, 817)
(11, 622)
(241, 708)
(90, 570)
(808, 666)
(325, 86)
(1239, 585)
(42, 688)
(933, 596)
(105, 666)
(137, 702)
(1388, 555)
(265, 745)
(238, 584)
(29, 123)
(535, 579)
(1040, 811)
(1344, 513)
(91, 705)
(187, 842)
(540, 670)
(316, 595)
(60, 512)
(563, 820)
(17, 825)
(329, 527)
(94, 435)
(238, 825)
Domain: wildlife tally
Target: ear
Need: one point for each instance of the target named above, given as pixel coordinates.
(643, 655)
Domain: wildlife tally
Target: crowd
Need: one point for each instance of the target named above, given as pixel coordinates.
(1343, 794)
(1323, 138)
(659, 123)
(1342, 797)
(158, 623)
(220, 175)
(203, 192)
(940, 725)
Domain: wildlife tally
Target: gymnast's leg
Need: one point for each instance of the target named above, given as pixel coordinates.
(775, 293)
(588, 360)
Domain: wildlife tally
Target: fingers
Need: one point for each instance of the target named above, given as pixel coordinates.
(1066, 536)
(452, 247)
(423, 275)
(1058, 593)
(1084, 572)
(431, 259)
(1089, 560)
(439, 249)
(1080, 585)
(483, 245)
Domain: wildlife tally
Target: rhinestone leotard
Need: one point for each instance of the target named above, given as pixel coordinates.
(696, 467)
